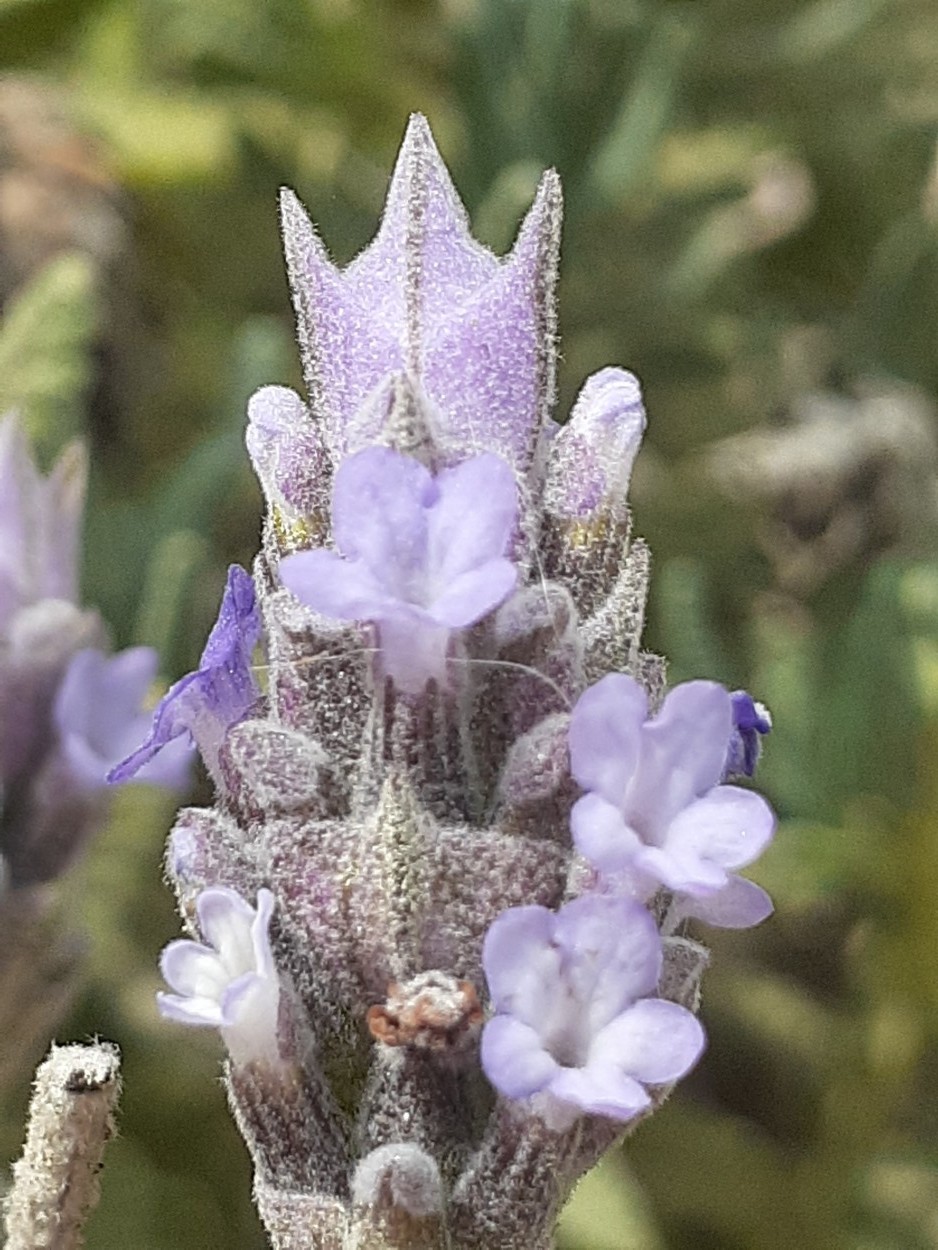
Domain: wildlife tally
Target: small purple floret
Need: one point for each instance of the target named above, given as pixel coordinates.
(654, 808)
(751, 722)
(418, 555)
(203, 705)
(590, 460)
(229, 982)
(98, 717)
(577, 1022)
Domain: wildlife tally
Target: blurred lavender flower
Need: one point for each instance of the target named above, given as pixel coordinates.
(99, 718)
(201, 706)
(443, 577)
(422, 558)
(230, 983)
(68, 711)
(578, 1022)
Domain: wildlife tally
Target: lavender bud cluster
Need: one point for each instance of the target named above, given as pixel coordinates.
(437, 910)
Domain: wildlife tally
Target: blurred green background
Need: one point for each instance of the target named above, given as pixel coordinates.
(752, 226)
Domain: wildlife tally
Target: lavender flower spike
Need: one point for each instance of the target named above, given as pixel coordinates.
(424, 555)
(578, 1025)
(204, 704)
(229, 982)
(654, 804)
(444, 575)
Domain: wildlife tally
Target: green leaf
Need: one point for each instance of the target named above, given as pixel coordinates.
(45, 342)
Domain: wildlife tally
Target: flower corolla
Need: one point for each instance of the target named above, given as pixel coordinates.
(655, 810)
(419, 555)
(229, 981)
(577, 1021)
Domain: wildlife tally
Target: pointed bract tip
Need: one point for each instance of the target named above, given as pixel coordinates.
(540, 228)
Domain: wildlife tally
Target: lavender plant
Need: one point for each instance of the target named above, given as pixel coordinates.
(437, 911)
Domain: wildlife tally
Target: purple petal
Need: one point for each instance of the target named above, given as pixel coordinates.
(682, 753)
(682, 869)
(605, 735)
(601, 834)
(600, 1090)
(729, 826)
(611, 954)
(472, 595)
(474, 517)
(739, 905)
(204, 704)
(238, 628)
(521, 964)
(379, 513)
(98, 718)
(413, 648)
(514, 1059)
(751, 721)
(654, 1041)
(346, 590)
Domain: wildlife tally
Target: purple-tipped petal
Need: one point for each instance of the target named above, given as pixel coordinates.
(731, 826)
(231, 982)
(591, 459)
